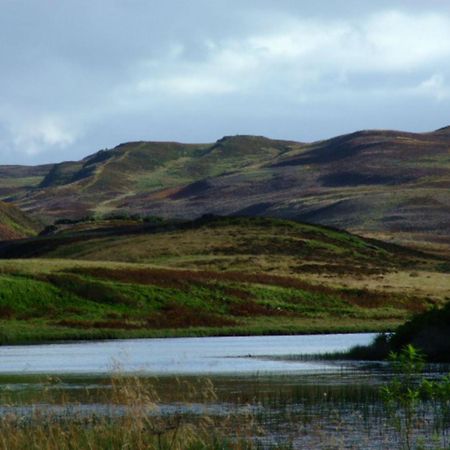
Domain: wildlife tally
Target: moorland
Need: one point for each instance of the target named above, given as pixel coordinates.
(245, 236)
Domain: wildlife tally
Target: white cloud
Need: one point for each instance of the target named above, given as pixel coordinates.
(300, 57)
(435, 86)
(36, 135)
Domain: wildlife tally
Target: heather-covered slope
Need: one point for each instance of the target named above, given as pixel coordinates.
(257, 245)
(387, 184)
(101, 183)
(18, 180)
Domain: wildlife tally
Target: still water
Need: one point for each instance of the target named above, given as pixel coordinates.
(210, 355)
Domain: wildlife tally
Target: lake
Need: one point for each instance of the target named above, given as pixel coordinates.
(252, 384)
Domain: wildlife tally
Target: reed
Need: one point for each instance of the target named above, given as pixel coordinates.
(131, 418)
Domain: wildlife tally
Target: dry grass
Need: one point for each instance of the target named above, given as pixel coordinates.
(421, 283)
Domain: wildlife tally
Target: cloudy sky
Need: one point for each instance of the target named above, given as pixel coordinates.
(80, 75)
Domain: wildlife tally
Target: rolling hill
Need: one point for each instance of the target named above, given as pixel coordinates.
(385, 184)
(217, 242)
(213, 275)
(14, 224)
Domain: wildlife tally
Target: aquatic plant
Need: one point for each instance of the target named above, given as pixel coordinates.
(407, 392)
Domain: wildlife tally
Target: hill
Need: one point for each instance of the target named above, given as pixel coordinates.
(384, 184)
(14, 224)
(120, 278)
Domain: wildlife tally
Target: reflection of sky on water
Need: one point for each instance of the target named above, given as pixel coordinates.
(177, 355)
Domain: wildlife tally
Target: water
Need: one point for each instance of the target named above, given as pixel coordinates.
(210, 355)
(304, 404)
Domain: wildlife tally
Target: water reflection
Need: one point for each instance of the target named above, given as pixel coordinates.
(213, 355)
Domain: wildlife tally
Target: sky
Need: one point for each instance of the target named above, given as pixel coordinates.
(77, 76)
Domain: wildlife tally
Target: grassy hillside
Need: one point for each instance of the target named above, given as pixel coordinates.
(14, 224)
(386, 184)
(211, 276)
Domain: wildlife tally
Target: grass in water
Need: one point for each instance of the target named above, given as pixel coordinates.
(129, 417)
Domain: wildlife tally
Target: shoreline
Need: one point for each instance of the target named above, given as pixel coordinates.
(114, 335)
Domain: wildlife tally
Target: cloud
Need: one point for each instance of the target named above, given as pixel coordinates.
(35, 135)
(259, 67)
(304, 51)
(434, 86)
(187, 85)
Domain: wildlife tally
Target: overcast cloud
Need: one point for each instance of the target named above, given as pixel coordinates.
(80, 75)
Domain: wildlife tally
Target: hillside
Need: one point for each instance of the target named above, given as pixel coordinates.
(213, 275)
(386, 184)
(254, 245)
(14, 224)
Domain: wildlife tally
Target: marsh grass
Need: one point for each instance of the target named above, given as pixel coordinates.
(129, 416)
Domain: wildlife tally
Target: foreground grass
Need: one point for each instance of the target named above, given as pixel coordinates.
(319, 411)
(133, 421)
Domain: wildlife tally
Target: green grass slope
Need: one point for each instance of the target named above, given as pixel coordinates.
(104, 301)
(213, 276)
(14, 224)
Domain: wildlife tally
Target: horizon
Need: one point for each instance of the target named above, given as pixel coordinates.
(83, 156)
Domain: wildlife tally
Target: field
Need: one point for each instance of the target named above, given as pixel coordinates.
(214, 276)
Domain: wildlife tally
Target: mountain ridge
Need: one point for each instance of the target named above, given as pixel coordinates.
(381, 183)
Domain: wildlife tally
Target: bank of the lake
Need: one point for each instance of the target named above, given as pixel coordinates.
(16, 333)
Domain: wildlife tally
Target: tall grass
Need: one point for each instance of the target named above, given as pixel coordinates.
(131, 419)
